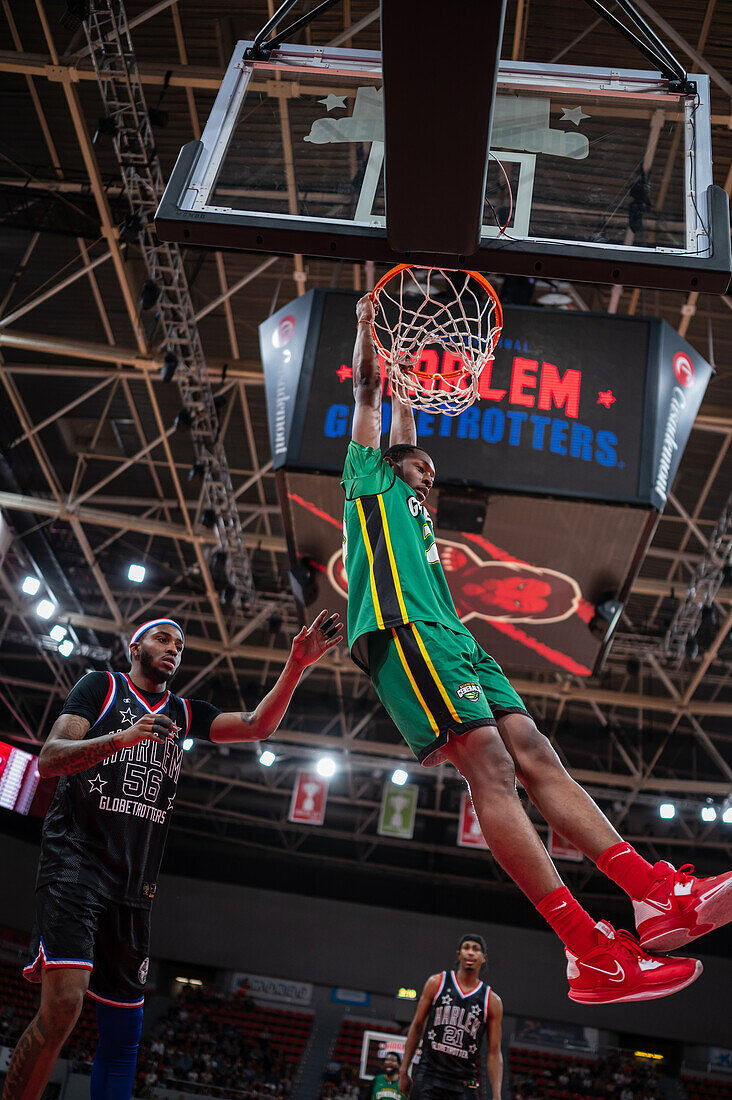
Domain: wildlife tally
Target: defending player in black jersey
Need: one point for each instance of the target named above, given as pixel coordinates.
(117, 748)
(455, 1012)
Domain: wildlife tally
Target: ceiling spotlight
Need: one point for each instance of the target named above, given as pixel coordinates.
(267, 758)
(136, 573)
(45, 609)
(183, 420)
(727, 816)
(169, 367)
(400, 777)
(708, 813)
(667, 810)
(66, 648)
(188, 744)
(30, 585)
(228, 595)
(58, 633)
(105, 125)
(326, 767)
(606, 618)
(208, 517)
(149, 294)
(554, 298)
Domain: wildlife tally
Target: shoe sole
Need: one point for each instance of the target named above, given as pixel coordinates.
(644, 995)
(714, 914)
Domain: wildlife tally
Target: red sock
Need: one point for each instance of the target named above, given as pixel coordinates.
(573, 924)
(631, 872)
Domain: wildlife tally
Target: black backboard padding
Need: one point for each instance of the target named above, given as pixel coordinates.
(440, 63)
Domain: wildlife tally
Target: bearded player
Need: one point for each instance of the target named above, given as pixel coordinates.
(454, 1014)
(117, 748)
(450, 700)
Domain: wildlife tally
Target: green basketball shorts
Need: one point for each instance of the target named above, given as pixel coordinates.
(436, 683)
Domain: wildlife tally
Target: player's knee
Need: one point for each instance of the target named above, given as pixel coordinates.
(494, 769)
(537, 758)
(60, 1009)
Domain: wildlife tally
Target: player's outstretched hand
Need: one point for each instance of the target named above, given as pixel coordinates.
(151, 727)
(365, 309)
(313, 641)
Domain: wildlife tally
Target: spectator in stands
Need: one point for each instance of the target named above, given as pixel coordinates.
(386, 1084)
(101, 849)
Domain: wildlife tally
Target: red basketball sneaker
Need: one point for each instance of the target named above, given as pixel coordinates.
(679, 907)
(618, 969)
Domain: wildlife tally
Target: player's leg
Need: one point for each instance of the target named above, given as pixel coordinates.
(61, 959)
(37, 1050)
(672, 907)
(118, 988)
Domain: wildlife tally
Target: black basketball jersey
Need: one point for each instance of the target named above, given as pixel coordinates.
(106, 826)
(454, 1031)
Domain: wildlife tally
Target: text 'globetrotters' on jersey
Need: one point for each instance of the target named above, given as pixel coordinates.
(106, 826)
(389, 553)
(454, 1031)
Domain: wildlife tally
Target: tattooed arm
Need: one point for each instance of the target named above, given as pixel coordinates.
(66, 752)
(307, 647)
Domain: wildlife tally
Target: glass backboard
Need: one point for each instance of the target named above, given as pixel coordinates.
(593, 174)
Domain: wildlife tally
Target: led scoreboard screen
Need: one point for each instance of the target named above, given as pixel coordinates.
(21, 787)
(577, 404)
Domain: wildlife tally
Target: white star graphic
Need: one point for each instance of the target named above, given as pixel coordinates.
(446, 999)
(472, 1049)
(97, 783)
(332, 101)
(573, 114)
(171, 799)
(431, 1034)
(128, 716)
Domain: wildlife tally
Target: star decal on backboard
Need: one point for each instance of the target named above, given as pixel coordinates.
(127, 716)
(331, 101)
(573, 114)
(605, 397)
(344, 372)
(97, 783)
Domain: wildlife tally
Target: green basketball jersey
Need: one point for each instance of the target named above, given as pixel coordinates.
(389, 553)
(385, 1090)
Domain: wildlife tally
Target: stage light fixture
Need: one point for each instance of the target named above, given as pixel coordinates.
(169, 367)
(727, 816)
(708, 813)
(66, 648)
(45, 609)
(606, 618)
(399, 776)
(149, 294)
(228, 594)
(187, 744)
(58, 633)
(667, 810)
(326, 767)
(267, 758)
(183, 420)
(30, 585)
(136, 573)
(208, 517)
(198, 469)
(105, 125)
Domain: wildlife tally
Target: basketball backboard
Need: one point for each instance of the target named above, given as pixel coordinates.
(594, 174)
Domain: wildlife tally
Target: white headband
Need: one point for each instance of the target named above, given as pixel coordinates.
(149, 626)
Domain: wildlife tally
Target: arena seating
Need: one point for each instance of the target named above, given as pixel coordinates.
(18, 1003)
(701, 1087)
(539, 1074)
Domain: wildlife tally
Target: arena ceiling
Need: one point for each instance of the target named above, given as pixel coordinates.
(94, 475)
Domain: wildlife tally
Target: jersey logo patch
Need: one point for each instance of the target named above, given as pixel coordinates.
(469, 691)
(142, 972)
(148, 889)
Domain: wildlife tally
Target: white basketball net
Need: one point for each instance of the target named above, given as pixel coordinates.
(436, 329)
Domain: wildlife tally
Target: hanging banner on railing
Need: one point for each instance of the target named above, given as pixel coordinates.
(398, 811)
(469, 834)
(309, 796)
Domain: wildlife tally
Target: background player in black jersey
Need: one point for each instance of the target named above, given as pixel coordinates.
(117, 748)
(451, 700)
(454, 1014)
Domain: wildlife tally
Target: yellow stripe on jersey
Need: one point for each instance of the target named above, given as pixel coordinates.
(413, 682)
(370, 555)
(435, 677)
(392, 562)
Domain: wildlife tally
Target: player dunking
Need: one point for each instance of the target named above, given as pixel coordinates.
(454, 1013)
(117, 747)
(450, 700)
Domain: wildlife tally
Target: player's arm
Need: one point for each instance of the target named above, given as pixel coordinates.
(308, 646)
(403, 429)
(495, 1058)
(66, 752)
(366, 379)
(415, 1031)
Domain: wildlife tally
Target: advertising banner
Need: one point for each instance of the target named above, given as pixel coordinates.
(309, 797)
(282, 990)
